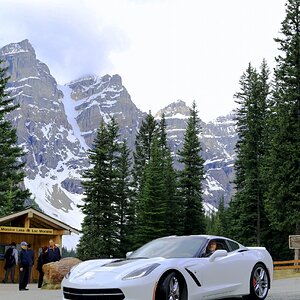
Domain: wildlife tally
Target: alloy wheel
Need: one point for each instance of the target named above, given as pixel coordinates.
(260, 282)
(174, 292)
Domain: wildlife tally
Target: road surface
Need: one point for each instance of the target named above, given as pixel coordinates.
(283, 289)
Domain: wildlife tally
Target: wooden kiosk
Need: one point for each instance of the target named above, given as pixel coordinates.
(33, 227)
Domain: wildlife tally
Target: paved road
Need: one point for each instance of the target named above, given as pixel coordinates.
(284, 289)
(11, 292)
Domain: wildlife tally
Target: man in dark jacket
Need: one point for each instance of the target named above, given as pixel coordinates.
(42, 260)
(54, 252)
(24, 263)
(31, 254)
(11, 260)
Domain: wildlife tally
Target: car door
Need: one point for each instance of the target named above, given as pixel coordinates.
(221, 273)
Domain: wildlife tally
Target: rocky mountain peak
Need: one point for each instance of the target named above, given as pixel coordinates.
(23, 66)
(176, 108)
(116, 80)
(87, 86)
(99, 98)
(21, 47)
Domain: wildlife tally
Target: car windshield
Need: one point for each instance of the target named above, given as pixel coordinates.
(168, 247)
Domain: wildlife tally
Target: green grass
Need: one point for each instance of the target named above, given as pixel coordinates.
(282, 274)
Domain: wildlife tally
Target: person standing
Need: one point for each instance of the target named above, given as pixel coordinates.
(31, 254)
(54, 252)
(11, 260)
(42, 260)
(24, 264)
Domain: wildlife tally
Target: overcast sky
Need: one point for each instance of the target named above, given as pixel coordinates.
(164, 50)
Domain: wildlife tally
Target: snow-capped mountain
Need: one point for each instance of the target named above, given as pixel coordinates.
(56, 125)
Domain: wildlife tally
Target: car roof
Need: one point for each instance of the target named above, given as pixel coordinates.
(207, 236)
(197, 235)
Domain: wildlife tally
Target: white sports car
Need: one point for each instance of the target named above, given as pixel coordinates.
(175, 268)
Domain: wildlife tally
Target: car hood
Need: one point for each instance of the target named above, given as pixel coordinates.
(107, 270)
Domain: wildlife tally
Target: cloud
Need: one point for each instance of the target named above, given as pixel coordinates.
(164, 49)
(71, 39)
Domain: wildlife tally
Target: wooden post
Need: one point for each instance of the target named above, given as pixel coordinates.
(297, 248)
(27, 222)
(294, 243)
(297, 251)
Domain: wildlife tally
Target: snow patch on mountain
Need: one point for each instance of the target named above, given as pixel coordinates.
(209, 209)
(70, 109)
(44, 189)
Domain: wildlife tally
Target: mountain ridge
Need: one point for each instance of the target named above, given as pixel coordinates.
(56, 125)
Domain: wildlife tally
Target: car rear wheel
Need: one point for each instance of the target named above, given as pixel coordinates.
(259, 283)
(171, 288)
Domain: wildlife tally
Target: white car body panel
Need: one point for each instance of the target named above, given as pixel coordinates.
(206, 277)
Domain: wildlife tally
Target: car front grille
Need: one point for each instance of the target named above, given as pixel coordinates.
(93, 294)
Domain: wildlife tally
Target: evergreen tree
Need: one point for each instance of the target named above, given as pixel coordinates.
(158, 206)
(247, 206)
(68, 253)
(99, 228)
(219, 220)
(124, 206)
(210, 223)
(151, 222)
(191, 177)
(142, 154)
(173, 213)
(283, 161)
(12, 196)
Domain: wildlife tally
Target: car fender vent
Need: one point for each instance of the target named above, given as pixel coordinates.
(193, 277)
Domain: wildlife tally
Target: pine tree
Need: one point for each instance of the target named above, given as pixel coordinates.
(173, 213)
(220, 220)
(247, 206)
(12, 196)
(158, 206)
(151, 222)
(124, 206)
(283, 162)
(141, 157)
(191, 177)
(99, 228)
(142, 154)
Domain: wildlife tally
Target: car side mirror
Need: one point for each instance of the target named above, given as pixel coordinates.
(128, 254)
(218, 253)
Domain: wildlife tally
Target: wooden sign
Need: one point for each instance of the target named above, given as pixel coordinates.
(294, 241)
(7, 229)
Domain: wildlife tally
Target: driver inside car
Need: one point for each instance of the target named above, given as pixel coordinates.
(211, 248)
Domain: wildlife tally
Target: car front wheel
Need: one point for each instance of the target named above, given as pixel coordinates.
(259, 283)
(171, 288)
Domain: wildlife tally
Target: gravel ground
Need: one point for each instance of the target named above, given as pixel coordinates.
(283, 289)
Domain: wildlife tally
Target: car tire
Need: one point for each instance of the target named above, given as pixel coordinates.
(171, 287)
(259, 283)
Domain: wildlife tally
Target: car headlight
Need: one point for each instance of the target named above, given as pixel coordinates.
(141, 272)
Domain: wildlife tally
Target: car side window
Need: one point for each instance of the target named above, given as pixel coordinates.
(221, 245)
(213, 245)
(233, 245)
